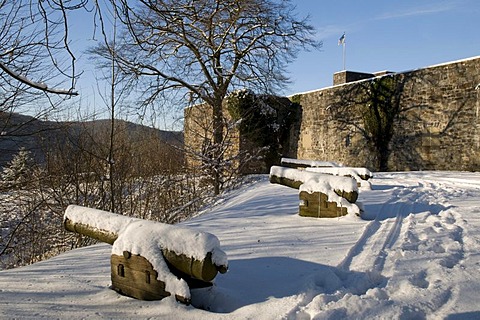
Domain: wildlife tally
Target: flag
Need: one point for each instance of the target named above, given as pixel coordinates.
(342, 39)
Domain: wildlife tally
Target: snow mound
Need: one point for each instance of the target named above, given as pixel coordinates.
(416, 257)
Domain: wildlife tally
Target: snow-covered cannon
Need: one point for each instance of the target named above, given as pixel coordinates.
(300, 163)
(361, 175)
(321, 195)
(151, 260)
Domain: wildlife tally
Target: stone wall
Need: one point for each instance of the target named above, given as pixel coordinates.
(437, 128)
(268, 130)
(198, 134)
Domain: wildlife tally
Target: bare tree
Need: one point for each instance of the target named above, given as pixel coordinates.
(37, 67)
(201, 50)
(34, 47)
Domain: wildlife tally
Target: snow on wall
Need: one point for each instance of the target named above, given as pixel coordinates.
(321, 182)
(148, 238)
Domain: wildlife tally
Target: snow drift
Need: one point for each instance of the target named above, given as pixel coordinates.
(413, 256)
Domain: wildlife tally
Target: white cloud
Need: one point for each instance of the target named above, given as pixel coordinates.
(418, 11)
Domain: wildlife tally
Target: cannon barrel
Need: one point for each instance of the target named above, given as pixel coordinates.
(107, 227)
(86, 230)
(295, 178)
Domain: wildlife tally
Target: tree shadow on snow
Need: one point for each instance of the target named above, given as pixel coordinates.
(464, 316)
(252, 281)
(382, 187)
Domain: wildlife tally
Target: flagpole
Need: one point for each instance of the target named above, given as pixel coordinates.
(342, 42)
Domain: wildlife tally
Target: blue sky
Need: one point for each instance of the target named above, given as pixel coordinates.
(394, 35)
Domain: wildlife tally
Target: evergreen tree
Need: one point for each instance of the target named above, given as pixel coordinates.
(18, 172)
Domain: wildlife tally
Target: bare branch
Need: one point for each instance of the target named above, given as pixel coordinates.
(34, 43)
(36, 85)
(208, 48)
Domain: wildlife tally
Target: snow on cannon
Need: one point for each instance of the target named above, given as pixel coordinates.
(321, 195)
(151, 260)
(361, 175)
(300, 163)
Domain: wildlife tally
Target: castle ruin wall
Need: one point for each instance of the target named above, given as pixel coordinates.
(438, 128)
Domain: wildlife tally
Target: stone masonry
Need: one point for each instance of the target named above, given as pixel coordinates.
(437, 129)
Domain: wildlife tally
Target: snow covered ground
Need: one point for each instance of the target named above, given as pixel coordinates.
(415, 255)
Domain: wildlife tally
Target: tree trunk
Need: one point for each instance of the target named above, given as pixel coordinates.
(217, 155)
(382, 159)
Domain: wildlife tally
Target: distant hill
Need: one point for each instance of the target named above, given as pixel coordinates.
(22, 131)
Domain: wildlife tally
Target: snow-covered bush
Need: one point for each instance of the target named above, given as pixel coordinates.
(148, 182)
(29, 224)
